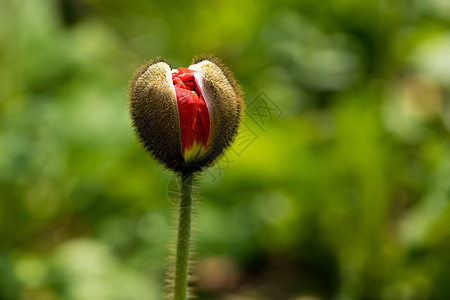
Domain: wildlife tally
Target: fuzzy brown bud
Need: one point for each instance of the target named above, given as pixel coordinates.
(187, 117)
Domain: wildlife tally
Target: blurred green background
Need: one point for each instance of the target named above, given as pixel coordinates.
(338, 186)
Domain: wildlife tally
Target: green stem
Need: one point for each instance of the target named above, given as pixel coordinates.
(183, 238)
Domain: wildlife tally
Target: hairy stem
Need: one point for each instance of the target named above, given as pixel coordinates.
(181, 279)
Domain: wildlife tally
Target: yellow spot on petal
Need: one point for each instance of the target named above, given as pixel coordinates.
(194, 152)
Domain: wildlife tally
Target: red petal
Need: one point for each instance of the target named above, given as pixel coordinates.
(192, 110)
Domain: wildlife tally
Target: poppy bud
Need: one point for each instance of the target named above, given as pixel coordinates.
(186, 117)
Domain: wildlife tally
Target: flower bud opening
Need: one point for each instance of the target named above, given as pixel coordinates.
(185, 117)
(193, 114)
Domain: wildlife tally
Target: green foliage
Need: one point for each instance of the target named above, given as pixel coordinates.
(340, 191)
